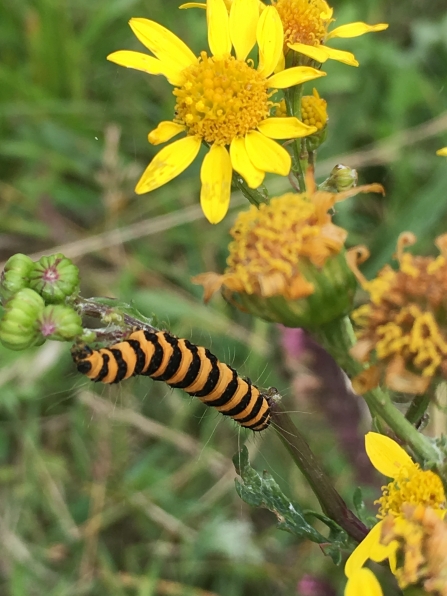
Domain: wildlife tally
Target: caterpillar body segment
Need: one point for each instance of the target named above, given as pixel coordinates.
(180, 364)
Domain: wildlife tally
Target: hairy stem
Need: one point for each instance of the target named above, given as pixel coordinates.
(331, 502)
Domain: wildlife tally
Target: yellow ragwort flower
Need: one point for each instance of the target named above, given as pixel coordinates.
(410, 486)
(286, 261)
(222, 101)
(442, 152)
(306, 24)
(404, 325)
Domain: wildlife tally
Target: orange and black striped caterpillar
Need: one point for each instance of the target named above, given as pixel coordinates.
(179, 363)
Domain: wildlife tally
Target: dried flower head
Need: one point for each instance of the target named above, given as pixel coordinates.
(403, 327)
(286, 260)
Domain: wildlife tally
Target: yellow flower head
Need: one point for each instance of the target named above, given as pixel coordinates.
(285, 259)
(442, 152)
(222, 100)
(313, 110)
(306, 28)
(410, 486)
(420, 538)
(405, 322)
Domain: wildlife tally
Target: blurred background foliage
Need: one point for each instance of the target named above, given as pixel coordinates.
(129, 490)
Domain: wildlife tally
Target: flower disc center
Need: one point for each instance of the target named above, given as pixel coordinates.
(221, 99)
(304, 21)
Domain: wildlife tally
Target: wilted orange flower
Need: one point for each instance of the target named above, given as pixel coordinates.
(286, 261)
(404, 324)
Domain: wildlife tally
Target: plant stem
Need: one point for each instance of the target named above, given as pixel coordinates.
(254, 196)
(331, 502)
(293, 102)
(338, 338)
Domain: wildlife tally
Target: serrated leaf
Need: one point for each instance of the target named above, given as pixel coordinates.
(263, 491)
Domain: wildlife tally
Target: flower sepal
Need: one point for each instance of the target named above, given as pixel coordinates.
(326, 294)
(330, 292)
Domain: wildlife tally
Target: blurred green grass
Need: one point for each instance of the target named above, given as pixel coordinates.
(129, 490)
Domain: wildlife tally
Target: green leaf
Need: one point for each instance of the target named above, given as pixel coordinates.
(263, 491)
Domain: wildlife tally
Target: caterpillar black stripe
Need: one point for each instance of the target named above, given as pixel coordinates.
(179, 363)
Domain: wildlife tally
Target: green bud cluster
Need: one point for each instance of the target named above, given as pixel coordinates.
(36, 298)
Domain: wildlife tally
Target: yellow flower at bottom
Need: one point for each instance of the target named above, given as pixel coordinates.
(420, 536)
(410, 486)
(363, 582)
(222, 101)
(286, 261)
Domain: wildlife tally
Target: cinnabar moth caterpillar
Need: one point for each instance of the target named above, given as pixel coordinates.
(179, 363)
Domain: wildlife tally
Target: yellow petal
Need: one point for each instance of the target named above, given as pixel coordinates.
(215, 175)
(270, 36)
(266, 155)
(243, 165)
(363, 583)
(165, 131)
(294, 76)
(244, 16)
(355, 30)
(322, 53)
(317, 53)
(281, 63)
(379, 553)
(146, 63)
(341, 56)
(386, 455)
(193, 5)
(218, 28)
(442, 151)
(285, 128)
(164, 44)
(168, 163)
(362, 553)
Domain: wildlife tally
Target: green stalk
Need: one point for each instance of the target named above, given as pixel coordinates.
(338, 338)
(331, 502)
(253, 195)
(293, 102)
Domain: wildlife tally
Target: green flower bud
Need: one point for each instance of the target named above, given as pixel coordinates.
(19, 328)
(341, 178)
(54, 278)
(60, 323)
(15, 275)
